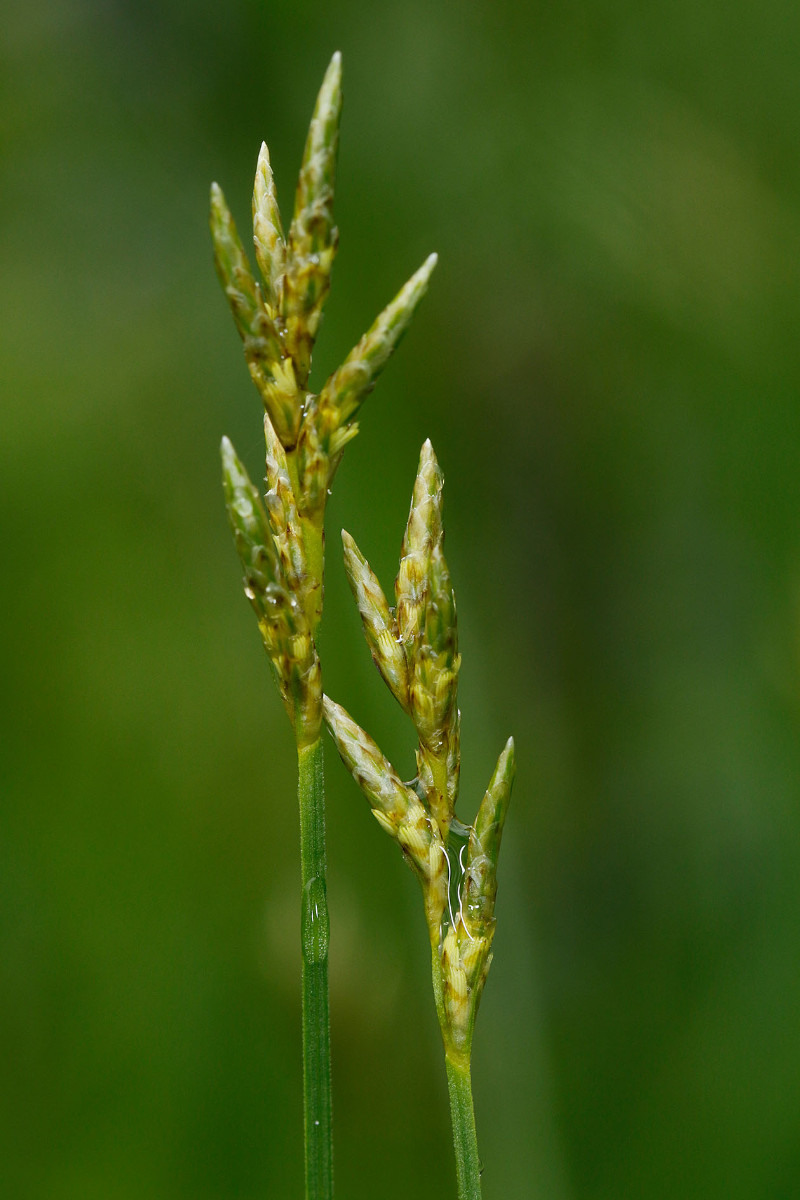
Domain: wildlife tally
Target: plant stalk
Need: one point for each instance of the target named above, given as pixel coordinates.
(314, 935)
(465, 1141)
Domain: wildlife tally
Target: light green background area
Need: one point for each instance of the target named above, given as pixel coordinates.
(608, 366)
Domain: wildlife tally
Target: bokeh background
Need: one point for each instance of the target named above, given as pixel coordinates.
(608, 366)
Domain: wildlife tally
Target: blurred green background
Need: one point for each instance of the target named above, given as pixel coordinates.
(608, 365)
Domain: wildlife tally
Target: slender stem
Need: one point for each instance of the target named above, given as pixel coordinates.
(468, 1171)
(314, 934)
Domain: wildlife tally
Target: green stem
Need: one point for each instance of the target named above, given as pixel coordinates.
(314, 935)
(468, 1171)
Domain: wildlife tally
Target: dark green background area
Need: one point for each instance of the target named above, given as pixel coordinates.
(609, 368)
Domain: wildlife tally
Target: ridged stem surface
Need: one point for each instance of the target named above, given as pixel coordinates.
(315, 935)
(465, 1141)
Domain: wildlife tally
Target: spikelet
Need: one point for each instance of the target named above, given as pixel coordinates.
(329, 423)
(278, 606)
(255, 326)
(251, 531)
(270, 369)
(348, 387)
(423, 530)
(313, 237)
(373, 773)
(268, 234)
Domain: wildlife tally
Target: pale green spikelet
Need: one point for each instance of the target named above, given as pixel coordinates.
(268, 234)
(423, 529)
(279, 609)
(250, 525)
(348, 387)
(313, 237)
(270, 369)
(425, 681)
(371, 770)
(244, 294)
(264, 582)
(379, 626)
(426, 625)
(396, 806)
(329, 422)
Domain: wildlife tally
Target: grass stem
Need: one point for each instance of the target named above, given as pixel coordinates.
(315, 935)
(468, 1171)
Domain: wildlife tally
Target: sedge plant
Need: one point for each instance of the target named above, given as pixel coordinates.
(280, 536)
(415, 647)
